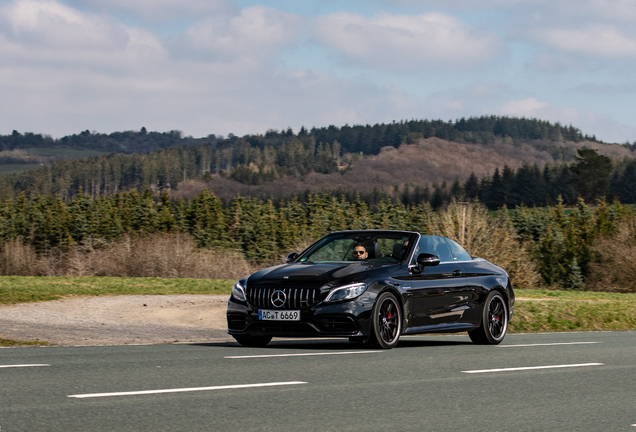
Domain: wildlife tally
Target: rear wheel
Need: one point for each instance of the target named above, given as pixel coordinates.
(252, 341)
(387, 321)
(494, 321)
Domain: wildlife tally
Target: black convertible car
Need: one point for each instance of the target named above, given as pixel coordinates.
(373, 286)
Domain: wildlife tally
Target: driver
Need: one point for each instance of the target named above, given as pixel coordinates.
(360, 252)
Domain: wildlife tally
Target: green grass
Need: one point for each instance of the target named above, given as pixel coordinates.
(23, 289)
(7, 343)
(562, 311)
(572, 295)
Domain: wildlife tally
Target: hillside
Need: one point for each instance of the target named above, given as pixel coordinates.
(414, 161)
(425, 162)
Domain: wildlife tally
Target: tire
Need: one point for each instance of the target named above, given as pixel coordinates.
(494, 321)
(252, 341)
(387, 321)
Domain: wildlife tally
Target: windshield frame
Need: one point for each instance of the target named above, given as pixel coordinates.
(361, 236)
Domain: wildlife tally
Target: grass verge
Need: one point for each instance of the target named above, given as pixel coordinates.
(8, 343)
(23, 289)
(563, 311)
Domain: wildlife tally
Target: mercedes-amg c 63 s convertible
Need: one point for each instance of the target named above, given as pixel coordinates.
(373, 286)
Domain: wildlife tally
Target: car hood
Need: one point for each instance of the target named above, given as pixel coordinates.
(311, 273)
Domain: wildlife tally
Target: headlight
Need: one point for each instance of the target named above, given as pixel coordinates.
(238, 291)
(346, 292)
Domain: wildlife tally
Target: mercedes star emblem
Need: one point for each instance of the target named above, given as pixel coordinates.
(278, 298)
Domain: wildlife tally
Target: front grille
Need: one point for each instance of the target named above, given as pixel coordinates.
(295, 298)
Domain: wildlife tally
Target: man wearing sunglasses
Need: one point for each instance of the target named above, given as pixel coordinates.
(360, 252)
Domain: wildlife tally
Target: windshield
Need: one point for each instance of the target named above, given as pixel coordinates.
(371, 247)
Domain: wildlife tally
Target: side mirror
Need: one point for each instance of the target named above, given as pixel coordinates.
(292, 256)
(426, 260)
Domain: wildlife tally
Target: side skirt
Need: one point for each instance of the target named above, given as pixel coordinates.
(440, 328)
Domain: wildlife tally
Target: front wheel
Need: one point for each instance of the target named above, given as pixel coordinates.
(387, 321)
(494, 322)
(252, 341)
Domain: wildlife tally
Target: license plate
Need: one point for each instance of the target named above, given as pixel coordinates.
(274, 315)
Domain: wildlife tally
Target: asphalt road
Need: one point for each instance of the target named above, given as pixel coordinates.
(541, 382)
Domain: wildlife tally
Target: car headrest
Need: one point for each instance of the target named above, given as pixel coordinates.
(398, 250)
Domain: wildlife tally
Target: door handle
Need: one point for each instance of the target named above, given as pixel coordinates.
(457, 273)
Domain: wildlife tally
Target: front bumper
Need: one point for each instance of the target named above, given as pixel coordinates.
(346, 319)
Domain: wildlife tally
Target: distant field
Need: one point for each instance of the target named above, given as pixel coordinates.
(66, 153)
(16, 168)
(61, 153)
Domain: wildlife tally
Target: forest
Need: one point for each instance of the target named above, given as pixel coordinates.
(553, 247)
(533, 197)
(282, 164)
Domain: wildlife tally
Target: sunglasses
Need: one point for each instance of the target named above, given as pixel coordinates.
(359, 252)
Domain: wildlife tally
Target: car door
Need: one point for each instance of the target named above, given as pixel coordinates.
(437, 295)
(481, 276)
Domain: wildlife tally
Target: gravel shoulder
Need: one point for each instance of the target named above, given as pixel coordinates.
(118, 320)
(121, 320)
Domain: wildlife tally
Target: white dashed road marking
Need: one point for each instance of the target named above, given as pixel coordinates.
(183, 390)
(547, 344)
(302, 355)
(533, 368)
(23, 365)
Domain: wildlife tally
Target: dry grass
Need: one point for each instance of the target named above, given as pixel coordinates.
(488, 237)
(17, 259)
(615, 266)
(161, 255)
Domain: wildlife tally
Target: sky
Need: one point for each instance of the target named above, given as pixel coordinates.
(247, 66)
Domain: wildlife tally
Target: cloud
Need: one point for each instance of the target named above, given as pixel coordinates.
(219, 69)
(590, 122)
(593, 11)
(617, 10)
(596, 41)
(456, 4)
(257, 32)
(404, 42)
(66, 70)
(524, 108)
(160, 10)
(48, 32)
(475, 92)
(611, 90)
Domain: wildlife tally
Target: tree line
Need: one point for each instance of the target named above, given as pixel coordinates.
(368, 139)
(591, 177)
(127, 142)
(559, 243)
